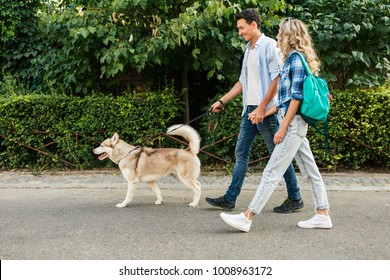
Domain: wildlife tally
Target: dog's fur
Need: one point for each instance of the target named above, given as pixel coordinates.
(142, 164)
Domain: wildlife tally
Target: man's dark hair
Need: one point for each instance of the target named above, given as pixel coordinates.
(250, 16)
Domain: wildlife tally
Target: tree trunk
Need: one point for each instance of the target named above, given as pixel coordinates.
(184, 82)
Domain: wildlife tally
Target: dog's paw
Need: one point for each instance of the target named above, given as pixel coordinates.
(193, 204)
(121, 205)
(158, 202)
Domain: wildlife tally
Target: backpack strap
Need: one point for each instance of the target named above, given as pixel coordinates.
(307, 68)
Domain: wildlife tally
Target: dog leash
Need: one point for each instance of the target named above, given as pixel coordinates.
(137, 147)
(197, 118)
(210, 123)
(210, 114)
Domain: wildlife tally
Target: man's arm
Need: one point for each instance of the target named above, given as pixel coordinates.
(233, 92)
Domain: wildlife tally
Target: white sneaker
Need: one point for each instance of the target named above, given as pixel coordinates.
(238, 221)
(318, 221)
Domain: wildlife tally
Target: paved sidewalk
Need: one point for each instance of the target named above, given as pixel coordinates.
(72, 215)
(357, 181)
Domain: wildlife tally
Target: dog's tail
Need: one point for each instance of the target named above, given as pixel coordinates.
(188, 133)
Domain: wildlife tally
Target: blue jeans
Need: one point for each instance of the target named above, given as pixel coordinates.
(294, 144)
(246, 137)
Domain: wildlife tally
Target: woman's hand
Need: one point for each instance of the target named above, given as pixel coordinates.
(256, 116)
(279, 135)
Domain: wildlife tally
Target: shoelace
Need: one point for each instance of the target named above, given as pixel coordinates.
(238, 217)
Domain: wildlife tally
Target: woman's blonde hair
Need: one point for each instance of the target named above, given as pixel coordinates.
(293, 34)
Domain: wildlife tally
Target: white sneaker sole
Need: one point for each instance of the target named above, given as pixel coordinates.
(315, 226)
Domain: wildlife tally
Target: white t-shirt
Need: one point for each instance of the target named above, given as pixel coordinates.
(253, 79)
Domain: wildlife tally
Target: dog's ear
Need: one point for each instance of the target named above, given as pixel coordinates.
(114, 139)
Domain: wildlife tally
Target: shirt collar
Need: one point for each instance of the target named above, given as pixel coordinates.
(258, 42)
(290, 53)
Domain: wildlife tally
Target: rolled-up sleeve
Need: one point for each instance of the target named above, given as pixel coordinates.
(298, 75)
(273, 60)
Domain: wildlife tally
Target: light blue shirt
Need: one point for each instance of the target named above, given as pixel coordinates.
(269, 62)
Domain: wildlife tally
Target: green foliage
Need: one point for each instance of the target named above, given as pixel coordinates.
(74, 39)
(77, 124)
(78, 47)
(11, 85)
(352, 38)
(359, 128)
(165, 32)
(13, 16)
(358, 134)
(82, 45)
(228, 123)
(20, 41)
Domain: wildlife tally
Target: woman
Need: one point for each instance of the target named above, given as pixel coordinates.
(290, 140)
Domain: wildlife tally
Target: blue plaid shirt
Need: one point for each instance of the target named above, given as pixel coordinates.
(291, 81)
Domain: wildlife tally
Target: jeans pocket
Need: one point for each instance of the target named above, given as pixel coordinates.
(302, 126)
(294, 126)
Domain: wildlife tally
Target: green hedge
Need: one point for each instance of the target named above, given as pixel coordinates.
(358, 135)
(77, 125)
(359, 129)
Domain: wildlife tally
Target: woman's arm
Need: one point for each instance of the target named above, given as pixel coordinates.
(292, 110)
(298, 75)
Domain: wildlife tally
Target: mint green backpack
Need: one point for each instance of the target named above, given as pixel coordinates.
(315, 105)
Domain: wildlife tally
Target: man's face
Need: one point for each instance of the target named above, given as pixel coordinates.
(246, 30)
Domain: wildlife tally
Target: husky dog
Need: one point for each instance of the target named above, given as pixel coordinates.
(142, 164)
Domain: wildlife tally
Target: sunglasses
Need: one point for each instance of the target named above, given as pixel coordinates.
(290, 20)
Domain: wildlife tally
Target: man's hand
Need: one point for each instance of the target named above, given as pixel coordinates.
(217, 107)
(257, 116)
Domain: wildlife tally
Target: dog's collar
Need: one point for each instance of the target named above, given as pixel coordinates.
(128, 153)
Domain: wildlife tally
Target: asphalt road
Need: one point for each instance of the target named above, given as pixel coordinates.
(38, 222)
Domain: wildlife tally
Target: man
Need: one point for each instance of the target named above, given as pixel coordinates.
(258, 83)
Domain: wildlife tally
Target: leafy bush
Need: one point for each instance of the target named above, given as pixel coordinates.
(68, 128)
(352, 38)
(358, 134)
(359, 129)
